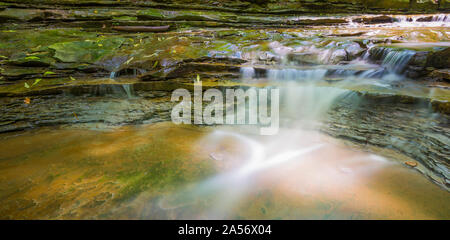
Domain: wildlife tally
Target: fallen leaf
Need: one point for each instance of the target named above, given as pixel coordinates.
(129, 60)
(72, 78)
(36, 81)
(27, 100)
(48, 73)
(26, 85)
(32, 58)
(411, 163)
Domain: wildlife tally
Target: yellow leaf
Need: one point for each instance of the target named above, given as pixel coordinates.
(32, 58)
(27, 100)
(129, 60)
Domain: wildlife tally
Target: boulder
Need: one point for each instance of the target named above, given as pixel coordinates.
(439, 59)
(354, 50)
(338, 56)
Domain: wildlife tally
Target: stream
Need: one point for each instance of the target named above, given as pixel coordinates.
(86, 130)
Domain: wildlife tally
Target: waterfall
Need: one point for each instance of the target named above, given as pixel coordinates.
(441, 18)
(396, 61)
(107, 89)
(393, 60)
(128, 88)
(307, 103)
(296, 74)
(115, 90)
(423, 20)
(247, 72)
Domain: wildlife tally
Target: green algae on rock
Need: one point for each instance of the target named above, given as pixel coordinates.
(87, 51)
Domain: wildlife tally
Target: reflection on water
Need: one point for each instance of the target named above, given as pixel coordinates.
(149, 172)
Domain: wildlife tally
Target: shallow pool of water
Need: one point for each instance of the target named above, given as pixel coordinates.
(165, 171)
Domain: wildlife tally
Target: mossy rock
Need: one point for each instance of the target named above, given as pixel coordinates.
(13, 73)
(14, 41)
(439, 59)
(36, 60)
(16, 14)
(150, 14)
(88, 51)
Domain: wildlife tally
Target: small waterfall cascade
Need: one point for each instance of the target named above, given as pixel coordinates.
(393, 60)
(247, 73)
(423, 20)
(112, 75)
(441, 18)
(129, 90)
(296, 74)
(115, 90)
(396, 61)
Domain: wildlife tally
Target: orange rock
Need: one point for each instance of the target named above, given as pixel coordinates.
(411, 164)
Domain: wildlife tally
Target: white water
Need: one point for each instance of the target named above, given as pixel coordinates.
(407, 21)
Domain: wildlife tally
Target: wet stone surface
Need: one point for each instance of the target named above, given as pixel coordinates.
(377, 81)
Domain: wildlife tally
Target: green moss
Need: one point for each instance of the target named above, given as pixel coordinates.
(86, 51)
(17, 14)
(151, 13)
(166, 169)
(38, 40)
(125, 18)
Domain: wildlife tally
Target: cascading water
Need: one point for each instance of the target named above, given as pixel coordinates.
(436, 20)
(295, 74)
(127, 88)
(396, 61)
(247, 73)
